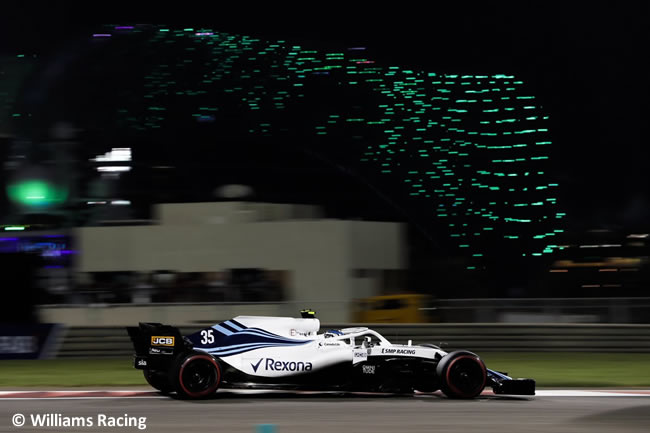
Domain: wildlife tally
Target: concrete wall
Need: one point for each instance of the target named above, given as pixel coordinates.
(374, 246)
(320, 254)
(377, 245)
(231, 212)
(315, 251)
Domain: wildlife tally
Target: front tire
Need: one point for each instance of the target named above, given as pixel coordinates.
(196, 375)
(462, 374)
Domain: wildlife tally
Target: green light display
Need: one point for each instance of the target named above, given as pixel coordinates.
(460, 144)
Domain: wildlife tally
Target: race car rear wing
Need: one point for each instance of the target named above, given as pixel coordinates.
(156, 344)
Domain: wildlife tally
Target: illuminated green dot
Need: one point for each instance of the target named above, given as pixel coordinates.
(36, 193)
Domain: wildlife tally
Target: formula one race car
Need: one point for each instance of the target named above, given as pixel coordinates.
(288, 353)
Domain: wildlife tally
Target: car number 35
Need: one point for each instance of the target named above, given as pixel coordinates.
(207, 336)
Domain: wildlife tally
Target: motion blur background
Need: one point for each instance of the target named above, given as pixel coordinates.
(462, 164)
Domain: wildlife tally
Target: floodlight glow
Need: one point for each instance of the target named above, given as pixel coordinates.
(117, 154)
(36, 193)
(114, 169)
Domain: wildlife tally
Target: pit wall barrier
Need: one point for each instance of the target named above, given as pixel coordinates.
(480, 337)
(487, 310)
(182, 314)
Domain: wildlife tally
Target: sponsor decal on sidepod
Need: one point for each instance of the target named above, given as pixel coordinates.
(270, 364)
(399, 351)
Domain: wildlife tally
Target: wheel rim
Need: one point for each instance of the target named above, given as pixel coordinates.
(199, 375)
(466, 376)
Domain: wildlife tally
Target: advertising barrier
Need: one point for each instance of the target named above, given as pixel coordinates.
(29, 341)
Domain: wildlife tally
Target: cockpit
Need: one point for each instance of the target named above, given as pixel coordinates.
(358, 336)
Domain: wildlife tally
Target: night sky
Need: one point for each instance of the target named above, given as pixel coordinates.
(587, 65)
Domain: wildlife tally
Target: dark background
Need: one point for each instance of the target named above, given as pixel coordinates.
(586, 63)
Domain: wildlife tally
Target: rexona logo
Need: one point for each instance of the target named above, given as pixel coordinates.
(271, 364)
(162, 341)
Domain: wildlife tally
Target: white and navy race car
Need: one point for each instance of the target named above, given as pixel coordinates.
(289, 353)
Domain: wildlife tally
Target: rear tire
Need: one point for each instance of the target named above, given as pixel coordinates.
(196, 375)
(462, 374)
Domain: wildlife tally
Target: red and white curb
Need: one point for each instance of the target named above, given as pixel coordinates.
(146, 394)
(79, 394)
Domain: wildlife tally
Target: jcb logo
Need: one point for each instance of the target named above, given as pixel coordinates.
(162, 341)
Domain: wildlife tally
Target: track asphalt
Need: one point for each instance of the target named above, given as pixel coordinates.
(551, 410)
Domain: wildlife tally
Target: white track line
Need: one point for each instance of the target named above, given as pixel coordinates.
(148, 394)
(592, 393)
